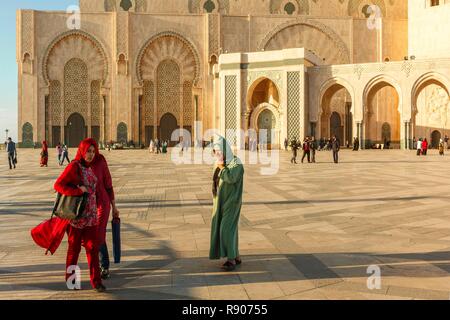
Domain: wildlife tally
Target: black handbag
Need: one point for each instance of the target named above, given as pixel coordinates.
(70, 207)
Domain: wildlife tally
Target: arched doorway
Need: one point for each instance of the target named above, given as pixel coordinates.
(168, 68)
(386, 133)
(382, 115)
(122, 133)
(263, 102)
(27, 135)
(431, 108)
(167, 126)
(267, 123)
(435, 138)
(76, 130)
(336, 128)
(336, 114)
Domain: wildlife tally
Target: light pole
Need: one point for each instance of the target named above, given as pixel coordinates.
(6, 134)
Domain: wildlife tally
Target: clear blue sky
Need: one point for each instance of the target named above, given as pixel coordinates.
(8, 76)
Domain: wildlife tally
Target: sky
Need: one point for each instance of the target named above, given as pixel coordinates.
(8, 64)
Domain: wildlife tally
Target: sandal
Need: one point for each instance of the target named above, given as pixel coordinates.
(229, 266)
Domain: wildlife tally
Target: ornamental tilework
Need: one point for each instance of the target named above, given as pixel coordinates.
(293, 105)
(169, 84)
(231, 122)
(75, 88)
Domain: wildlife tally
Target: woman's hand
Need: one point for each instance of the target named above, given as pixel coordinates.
(115, 212)
(84, 189)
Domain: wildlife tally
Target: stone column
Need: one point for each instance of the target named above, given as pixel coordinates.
(361, 137)
(102, 119)
(313, 129)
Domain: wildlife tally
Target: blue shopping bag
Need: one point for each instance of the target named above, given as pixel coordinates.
(116, 239)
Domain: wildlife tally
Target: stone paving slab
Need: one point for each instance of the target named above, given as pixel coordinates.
(308, 232)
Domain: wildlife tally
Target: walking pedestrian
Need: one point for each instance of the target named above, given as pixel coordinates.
(286, 144)
(294, 148)
(151, 147)
(65, 155)
(59, 152)
(227, 189)
(44, 154)
(12, 153)
(419, 147)
(306, 150)
(335, 146)
(441, 147)
(77, 179)
(424, 147)
(105, 201)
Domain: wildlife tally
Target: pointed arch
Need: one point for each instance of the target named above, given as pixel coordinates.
(75, 44)
(168, 45)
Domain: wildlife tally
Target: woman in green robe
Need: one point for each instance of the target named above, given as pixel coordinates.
(228, 184)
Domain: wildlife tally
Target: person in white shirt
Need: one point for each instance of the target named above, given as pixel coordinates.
(419, 147)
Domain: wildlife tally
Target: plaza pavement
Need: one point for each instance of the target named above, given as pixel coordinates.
(309, 232)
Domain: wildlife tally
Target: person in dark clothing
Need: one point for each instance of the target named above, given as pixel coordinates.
(306, 150)
(294, 147)
(12, 153)
(335, 146)
(286, 144)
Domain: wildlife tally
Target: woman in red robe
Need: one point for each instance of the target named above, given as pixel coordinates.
(79, 178)
(105, 200)
(44, 154)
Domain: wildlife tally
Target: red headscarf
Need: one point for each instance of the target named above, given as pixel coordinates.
(83, 149)
(44, 146)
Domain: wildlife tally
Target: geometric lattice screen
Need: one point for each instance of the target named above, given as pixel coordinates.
(231, 120)
(293, 105)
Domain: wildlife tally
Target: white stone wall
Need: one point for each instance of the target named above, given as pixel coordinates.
(429, 29)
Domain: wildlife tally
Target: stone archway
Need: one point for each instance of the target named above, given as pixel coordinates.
(382, 98)
(336, 111)
(75, 67)
(431, 105)
(435, 139)
(27, 136)
(263, 104)
(309, 34)
(76, 130)
(168, 68)
(266, 117)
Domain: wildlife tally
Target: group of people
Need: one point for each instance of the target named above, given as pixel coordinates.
(158, 146)
(63, 153)
(421, 146)
(89, 174)
(310, 146)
